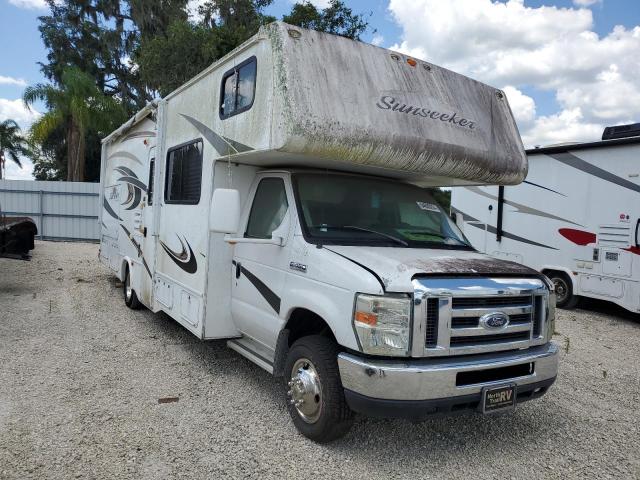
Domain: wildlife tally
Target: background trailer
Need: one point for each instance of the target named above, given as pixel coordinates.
(576, 218)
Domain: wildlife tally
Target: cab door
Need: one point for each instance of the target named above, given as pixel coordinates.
(260, 267)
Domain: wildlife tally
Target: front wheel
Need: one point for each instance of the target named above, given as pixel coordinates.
(314, 393)
(564, 290)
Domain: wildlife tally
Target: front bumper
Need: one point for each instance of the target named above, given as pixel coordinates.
(415, 388)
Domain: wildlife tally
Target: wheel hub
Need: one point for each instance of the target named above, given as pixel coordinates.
(128, 289)
(305, 392)
(561, 289)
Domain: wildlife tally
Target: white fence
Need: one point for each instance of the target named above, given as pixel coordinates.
(61, 210)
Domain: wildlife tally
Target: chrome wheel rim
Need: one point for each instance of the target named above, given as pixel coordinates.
(561, 288)
(305, 390)
(127, 288)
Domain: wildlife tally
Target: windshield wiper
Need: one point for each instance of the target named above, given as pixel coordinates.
(382, 234)
(353, 227)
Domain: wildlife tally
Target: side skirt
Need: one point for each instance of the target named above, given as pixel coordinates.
(253, 351)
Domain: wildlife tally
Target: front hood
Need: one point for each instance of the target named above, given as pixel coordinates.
(396, 267)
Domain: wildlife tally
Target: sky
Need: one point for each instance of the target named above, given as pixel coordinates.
(569, 67)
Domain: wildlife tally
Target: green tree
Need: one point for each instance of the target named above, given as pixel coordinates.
(12, 144)
(443, 197)
(337, 18)
(77, 106)
(167, 61)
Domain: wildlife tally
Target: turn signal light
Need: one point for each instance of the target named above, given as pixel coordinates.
(366, 318)
(412, 62)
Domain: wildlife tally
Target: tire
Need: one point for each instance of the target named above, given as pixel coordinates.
(565, 298)
(130, 297)
(311, 374)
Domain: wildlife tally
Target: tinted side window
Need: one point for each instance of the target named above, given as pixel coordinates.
(238, 88)
(268, 209)
(152, 164)
(184, 174)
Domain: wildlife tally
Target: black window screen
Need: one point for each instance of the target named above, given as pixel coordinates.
(184, 174)
(238, 88)
(152, 164)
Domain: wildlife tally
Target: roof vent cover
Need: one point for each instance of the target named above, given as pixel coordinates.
(621, 131)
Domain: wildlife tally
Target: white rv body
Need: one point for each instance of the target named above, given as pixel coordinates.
(577, 212)
(326, 106)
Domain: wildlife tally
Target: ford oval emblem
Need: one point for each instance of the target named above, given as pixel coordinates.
(494, 320)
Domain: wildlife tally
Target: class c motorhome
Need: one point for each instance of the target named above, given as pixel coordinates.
(576, 218)
(276, 200)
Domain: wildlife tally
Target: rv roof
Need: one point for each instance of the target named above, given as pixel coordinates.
(583, 146)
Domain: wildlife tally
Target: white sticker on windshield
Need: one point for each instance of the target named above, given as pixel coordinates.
(428, 206)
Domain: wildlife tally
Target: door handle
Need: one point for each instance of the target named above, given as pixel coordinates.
(637, 228)
(238, 269)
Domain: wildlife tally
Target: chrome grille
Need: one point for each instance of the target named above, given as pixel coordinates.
(431, 331)
(449, 312)
(483, 302)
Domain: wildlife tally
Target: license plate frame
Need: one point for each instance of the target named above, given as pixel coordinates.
(499, 398)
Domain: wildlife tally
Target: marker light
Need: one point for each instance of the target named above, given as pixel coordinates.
(412, 62)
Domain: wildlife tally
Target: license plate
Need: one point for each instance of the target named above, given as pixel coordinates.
(495, 399)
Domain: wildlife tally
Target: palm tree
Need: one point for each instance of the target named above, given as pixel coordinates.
(77, 105)
(12, 144)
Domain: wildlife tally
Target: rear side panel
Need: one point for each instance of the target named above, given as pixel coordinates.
(126, 215)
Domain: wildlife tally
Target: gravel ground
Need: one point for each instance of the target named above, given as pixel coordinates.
(81, 376)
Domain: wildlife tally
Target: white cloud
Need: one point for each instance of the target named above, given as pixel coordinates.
(377, 40)
(316, 3)
(14, 172)
(585, 3)
(15, 110)
(12, 81)
(522, 106)
(562, 127)
(31, 4)
(593, 78)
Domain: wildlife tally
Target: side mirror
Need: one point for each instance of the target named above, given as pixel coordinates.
(224, 215)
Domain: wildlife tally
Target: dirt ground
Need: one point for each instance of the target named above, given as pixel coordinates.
(81, 377)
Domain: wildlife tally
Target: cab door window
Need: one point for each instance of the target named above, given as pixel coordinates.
(269, 208)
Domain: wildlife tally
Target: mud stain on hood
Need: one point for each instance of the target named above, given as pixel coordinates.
(464, 266)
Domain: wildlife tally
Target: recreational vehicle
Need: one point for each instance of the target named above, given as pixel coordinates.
(576, 218)
(276, 200)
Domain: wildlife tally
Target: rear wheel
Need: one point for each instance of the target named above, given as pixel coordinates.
(564, 290)
(130, 297)
(314, 393)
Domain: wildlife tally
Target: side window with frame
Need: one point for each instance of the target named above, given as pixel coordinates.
(152, 165)
(269, 208)
(183, 179)
(238, 88)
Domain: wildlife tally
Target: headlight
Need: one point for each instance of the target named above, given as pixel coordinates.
(383, 324)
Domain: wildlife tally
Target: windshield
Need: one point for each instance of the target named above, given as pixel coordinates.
(352, 210)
